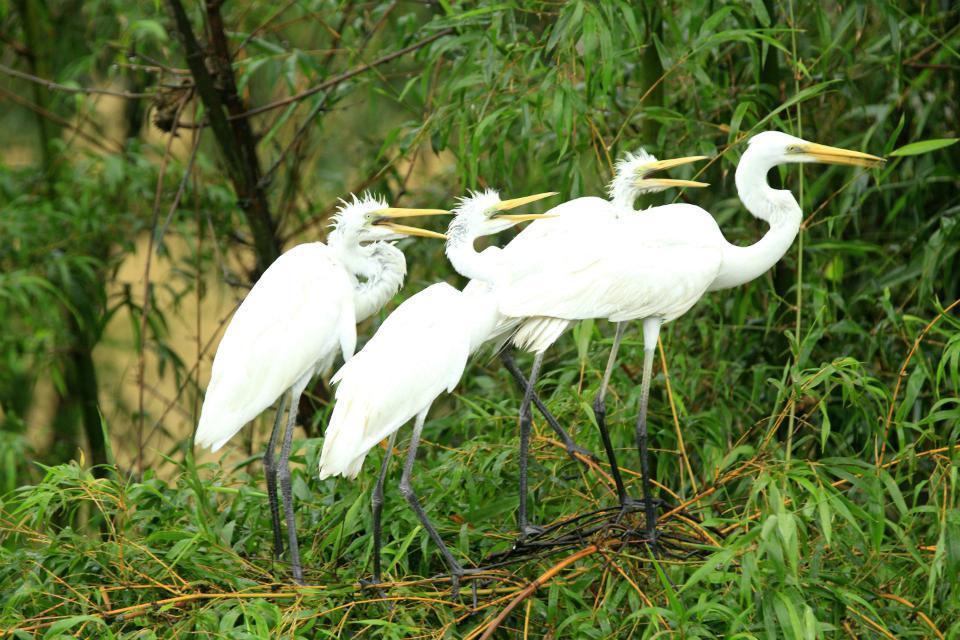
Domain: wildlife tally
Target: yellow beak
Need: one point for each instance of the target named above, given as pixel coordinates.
(835, 155)
(668, 182)
(516, 202)
(412, 231)
(663, 165)
(400, 212)
(523, 217)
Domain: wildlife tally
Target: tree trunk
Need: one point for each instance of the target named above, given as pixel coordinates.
(34, 13)
(218, 91)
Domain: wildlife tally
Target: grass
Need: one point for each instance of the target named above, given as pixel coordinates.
(807, 422)
(842, 539)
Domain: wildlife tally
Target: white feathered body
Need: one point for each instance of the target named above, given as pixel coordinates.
(290, 326)
(658, 262)
(420, 351)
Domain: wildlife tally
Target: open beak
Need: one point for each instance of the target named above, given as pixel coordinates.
(662, 165)
(388, 213)
(835, 155)
(668, 182)
(516, 202)
(411, 231)
(523, 217)
(670, 163)
(400, 212)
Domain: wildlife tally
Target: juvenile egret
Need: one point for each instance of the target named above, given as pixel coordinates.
(420, 351)
(302, 310)
(655, 266)
(633, 177)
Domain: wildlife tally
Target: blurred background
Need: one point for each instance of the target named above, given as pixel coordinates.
(125, 249)
(156, 156)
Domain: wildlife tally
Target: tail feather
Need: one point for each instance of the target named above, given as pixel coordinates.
(216, 428)
(343, 441)
(538, 333)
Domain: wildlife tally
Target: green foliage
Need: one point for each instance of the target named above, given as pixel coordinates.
(808, 420)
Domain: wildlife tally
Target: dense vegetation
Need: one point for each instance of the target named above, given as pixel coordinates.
(806, 421)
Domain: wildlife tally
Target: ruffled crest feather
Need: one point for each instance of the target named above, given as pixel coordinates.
(350, 210)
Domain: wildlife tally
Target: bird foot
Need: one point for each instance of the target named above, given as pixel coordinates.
(375, 583)
(529, 531)
(457, 574)
(632, 505)
(297, 570)
(648, 536)
(577, 453)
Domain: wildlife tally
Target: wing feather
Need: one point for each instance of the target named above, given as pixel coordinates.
(288, 325)
(420, 351)
(657, 262)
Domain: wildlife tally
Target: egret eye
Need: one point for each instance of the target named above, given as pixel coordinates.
(793, 148)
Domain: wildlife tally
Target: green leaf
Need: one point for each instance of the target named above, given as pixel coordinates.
(924, 146)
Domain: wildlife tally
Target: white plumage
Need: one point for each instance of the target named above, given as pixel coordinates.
(658, 262)
(653, 265)
(288, 328)
(420, 351)
(298, 315)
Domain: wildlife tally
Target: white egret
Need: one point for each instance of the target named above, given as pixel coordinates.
(633, 177)
(655, 266)
(302, 310)
(419, 351)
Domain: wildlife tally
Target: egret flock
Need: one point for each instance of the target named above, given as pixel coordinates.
(586, 258)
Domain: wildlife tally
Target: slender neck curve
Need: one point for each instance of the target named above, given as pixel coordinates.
(379, 268)
(777, 207)
(465, 258)
(623, 194)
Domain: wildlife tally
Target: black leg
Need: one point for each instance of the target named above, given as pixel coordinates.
(572, 447)
(406, 488)
(286, 490)
(651, 329)
(377, 502)
(525, 426)
(270, 470)
(600, 413)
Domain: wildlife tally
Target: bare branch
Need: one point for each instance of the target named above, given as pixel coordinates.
(54, 86)
(346, 75)
(233, 134)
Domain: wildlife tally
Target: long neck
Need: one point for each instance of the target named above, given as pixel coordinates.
(622, 193)
(379, 268)
(778, 208)
(464, 258)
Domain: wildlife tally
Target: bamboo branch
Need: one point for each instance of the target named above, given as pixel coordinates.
(55, 86)
(346, 75)
(531, 588)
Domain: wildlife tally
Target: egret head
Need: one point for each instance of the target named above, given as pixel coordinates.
(634, 176)
(776, 147)
(369, 219)
(482, 213)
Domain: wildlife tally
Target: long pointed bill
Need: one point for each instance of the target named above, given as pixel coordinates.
(401, 212)
(516, 202)
(523, 217)
(669, 182)
(412, 231)
(670, 163)
(835, 155)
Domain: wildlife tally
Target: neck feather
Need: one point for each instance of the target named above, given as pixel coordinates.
(379, 268)
(778, 208)
(465, 258)
(385, 277)
(622, 193)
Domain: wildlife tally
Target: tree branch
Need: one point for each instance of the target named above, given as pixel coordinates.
(346, 75)
(233, 133)
(54, 86)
